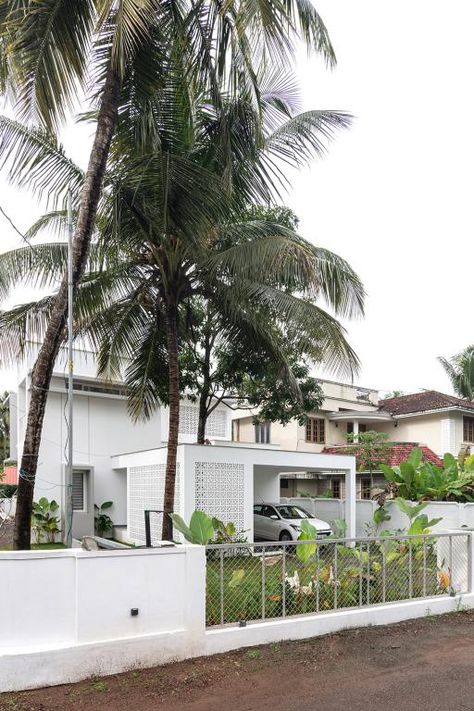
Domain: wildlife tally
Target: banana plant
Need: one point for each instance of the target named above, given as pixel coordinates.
(419, 523)
(308, 533)
(200, 530)
(418, 480)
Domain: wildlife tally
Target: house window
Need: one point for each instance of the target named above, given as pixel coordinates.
(79, 499)
(315, 430)
(336, 488)
(235, 430)
(262, 433)
(362, 427)
(365, 489)
(284, 483)
(468, 429)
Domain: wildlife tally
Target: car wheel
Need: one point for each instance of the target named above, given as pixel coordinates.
(285, 536)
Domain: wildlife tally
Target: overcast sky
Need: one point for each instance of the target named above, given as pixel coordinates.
(394, 194)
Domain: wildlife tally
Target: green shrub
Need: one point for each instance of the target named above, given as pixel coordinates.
(8, 490)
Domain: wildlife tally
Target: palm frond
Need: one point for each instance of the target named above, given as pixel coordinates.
(320, 334)
(36, 160)
(305, 135)
(145, 374)
(22, 326)
(49, 42)
(40, 266)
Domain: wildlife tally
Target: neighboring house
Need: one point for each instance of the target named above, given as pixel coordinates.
(444, 422)
(367, 481)
(441, 423)
(345, 409)
(124, 462)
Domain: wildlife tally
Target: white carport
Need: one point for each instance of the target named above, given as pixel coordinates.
(222, 480)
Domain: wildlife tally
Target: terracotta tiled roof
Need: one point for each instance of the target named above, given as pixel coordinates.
(396, 453)
(423, 402)
(10, 475)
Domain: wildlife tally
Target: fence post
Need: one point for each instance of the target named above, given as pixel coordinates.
(221, 584)
(470, 566)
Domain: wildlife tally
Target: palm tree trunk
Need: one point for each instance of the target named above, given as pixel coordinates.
(173, 427)
(204, 395)
(43, 368)
(201, 432)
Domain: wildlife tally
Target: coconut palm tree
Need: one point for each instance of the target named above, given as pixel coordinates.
(119, 50)
(460, 371)
(168, 232)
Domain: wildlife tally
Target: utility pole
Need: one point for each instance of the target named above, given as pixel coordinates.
(70, 379)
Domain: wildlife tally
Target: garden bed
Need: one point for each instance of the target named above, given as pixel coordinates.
(249, 587)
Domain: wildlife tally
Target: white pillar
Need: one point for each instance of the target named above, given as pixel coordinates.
(355, 426)
(350, 502)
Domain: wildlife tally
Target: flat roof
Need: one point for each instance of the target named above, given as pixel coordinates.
(260, 456)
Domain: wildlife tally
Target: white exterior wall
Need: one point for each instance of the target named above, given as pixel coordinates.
(102, 429)
(76, 628)
(223, 481)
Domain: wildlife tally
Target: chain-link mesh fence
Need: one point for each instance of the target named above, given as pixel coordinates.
(250, 582)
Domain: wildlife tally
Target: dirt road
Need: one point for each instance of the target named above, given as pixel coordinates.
(425, 664)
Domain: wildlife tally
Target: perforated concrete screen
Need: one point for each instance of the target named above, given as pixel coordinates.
(220, 490)
(189, 418)
(146, 491)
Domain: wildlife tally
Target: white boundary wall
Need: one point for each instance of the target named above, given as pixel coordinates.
(67, 614)
(453, 515)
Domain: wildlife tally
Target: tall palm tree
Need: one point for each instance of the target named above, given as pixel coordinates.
(460, 371)
(50, 50)
(168, 232)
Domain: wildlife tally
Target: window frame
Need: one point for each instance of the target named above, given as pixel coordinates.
(262, 431)
(85, 503)
(316, 430)
(468, 424)
(364, 487)
(338, 483)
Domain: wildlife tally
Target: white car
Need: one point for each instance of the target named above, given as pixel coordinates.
(282, 522)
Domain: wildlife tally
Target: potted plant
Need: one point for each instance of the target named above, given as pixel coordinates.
(103, 524)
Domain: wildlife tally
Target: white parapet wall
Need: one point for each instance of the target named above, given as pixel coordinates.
(68, 614)
(453, 515)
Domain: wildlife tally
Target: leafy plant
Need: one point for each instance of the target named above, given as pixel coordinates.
(200, 530)
(308, 533)
(102, 521)
(381, 515)
(419, 480)
(203, 529)
(227, 533)
(419, 523)
(43, 520)
(339, 527)
(8, 490)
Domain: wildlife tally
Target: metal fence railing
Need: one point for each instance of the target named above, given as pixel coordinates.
(257, 581)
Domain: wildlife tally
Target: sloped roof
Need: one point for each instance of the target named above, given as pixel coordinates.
(425, 401)
(394, 455)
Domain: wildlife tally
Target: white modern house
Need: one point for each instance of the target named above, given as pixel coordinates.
(118, 460)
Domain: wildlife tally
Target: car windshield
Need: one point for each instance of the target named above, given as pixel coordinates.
(292, 512)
